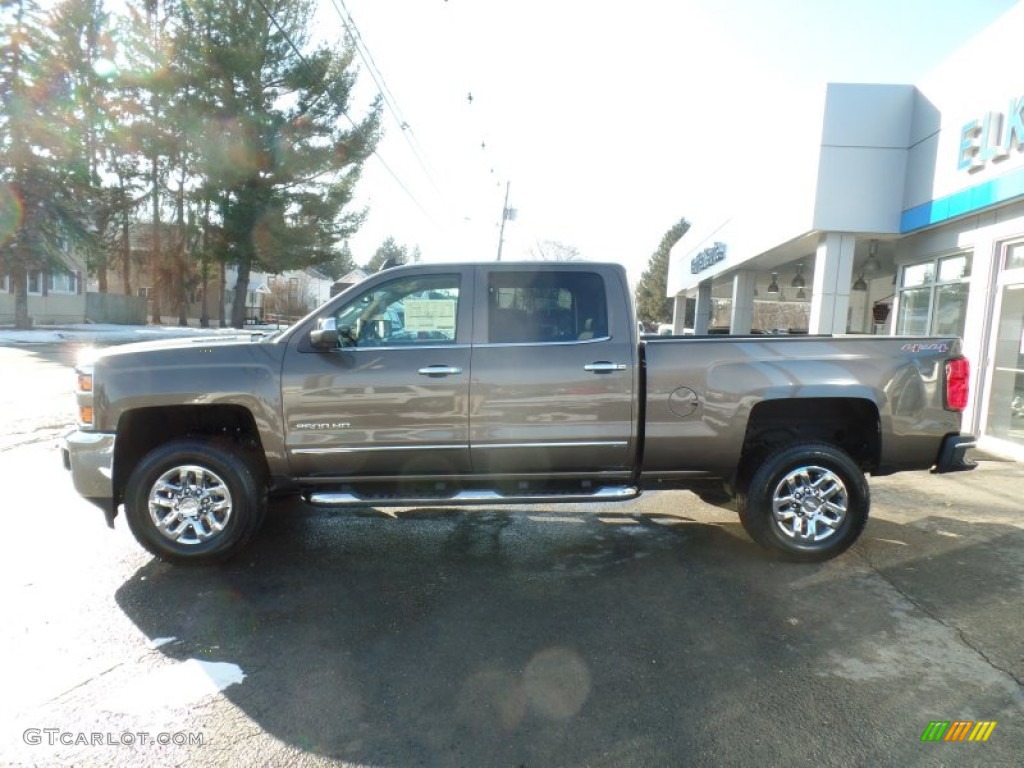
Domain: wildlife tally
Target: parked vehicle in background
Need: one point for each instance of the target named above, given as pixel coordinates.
(507, 383)
(667, 329)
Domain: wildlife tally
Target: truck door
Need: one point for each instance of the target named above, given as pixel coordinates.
(392, 398)
(553, 386)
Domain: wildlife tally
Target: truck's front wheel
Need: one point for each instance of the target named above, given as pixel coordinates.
(188, 501)
(810, 501)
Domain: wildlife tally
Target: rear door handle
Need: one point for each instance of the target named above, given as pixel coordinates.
(439, 370)
(603, 366)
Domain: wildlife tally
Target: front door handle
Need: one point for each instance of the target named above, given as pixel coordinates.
(439, 370)
(603, 366)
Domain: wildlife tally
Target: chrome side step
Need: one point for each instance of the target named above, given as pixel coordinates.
(345, 499)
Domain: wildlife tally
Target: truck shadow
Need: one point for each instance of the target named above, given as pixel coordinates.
(509, 637)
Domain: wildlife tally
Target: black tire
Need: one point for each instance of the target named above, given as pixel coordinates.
(198, 487)
(809, 501)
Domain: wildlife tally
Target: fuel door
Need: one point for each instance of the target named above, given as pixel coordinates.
(683, 402)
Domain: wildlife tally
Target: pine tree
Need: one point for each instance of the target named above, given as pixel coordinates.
(42, 177)
(279, 151)
(342, 263)
(652, 304)
(148, 40)
(81, 31)
(389, 254)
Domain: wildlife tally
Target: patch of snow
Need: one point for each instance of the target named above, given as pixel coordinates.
(178, 685)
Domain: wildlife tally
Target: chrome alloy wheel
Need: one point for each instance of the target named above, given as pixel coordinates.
(809, 504)
(189, 504)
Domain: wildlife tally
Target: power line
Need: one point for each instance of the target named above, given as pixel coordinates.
(364, 53)
(386, 94)
(389, 99)
(376, 154)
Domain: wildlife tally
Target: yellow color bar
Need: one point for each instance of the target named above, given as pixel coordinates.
(983, 730)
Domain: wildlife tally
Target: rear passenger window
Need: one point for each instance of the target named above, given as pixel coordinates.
(538, 307)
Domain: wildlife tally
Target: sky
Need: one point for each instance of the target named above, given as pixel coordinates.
(608, 122)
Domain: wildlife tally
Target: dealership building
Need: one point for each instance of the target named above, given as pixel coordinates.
(908, 219)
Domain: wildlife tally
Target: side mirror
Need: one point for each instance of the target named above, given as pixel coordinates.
(325, 335)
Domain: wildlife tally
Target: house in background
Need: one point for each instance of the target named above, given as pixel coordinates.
(282, 297)
(136, 288)
(345, 282)
(176, 282)
(156, 284)
(55, 295)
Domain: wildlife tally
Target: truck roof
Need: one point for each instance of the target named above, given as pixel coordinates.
(519, 264)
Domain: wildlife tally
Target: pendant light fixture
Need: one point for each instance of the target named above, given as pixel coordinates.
(798, 279)
(871, 266)
(773, 286)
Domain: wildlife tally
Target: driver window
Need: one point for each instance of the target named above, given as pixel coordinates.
(414, 310)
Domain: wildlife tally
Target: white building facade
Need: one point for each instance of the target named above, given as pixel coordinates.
(910, 222)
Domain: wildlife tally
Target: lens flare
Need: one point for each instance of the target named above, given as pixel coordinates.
(104, 68)
(11, 212)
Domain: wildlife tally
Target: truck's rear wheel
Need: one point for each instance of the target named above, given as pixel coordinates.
(189, 501)
(809, 501)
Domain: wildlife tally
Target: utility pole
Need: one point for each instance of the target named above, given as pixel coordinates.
(506, 214)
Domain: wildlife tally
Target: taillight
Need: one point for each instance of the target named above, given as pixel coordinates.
(958, 380)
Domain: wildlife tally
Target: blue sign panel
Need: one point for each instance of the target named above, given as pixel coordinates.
(707, 257)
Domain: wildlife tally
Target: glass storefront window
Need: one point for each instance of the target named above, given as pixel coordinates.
(954, 268)
(950, 310)
(913, 317)
(933, 297)
(1014, 256)
(918, 274)
(1006, 401)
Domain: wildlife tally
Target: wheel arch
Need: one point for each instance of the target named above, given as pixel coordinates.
(141, 430)
(851, 424)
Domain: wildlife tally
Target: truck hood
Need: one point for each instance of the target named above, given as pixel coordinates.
(234, 370)
(183, 343)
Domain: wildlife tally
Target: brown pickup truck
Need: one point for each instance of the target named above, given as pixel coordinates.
(506, 383)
